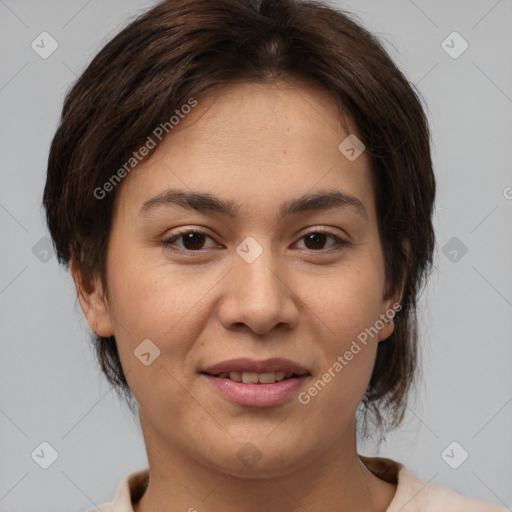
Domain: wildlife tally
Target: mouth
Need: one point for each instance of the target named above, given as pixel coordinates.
(252, 371)
(256, 383)
(255, 377)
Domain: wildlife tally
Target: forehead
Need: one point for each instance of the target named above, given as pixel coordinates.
(255, 142)
(260, 117)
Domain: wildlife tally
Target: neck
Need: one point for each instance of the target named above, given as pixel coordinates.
(335, 479)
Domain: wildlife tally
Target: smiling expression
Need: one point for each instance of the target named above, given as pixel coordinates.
(247, 236)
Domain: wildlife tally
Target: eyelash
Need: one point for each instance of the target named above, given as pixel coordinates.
(169, 243)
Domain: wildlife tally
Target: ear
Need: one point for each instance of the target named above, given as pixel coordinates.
(389, 308)
(392, 305)
(94, 303)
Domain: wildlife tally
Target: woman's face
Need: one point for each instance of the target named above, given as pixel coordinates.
(278, 274)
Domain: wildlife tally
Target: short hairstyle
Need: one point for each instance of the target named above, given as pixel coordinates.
(183, 49)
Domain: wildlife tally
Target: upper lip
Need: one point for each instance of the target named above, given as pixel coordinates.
(252, 365)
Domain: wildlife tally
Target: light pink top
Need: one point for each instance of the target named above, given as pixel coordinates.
(412, 494)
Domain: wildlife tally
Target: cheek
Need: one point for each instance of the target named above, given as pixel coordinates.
(166, 308)
(350, 300)
(341, 381)
(348, 310)
(154, 301)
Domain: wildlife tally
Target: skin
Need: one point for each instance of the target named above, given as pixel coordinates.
(257, 145)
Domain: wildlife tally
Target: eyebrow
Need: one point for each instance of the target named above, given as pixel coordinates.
(204, 202)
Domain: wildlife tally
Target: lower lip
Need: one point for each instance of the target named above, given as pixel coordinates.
(257, 395)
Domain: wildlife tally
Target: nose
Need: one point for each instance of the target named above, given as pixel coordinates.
(259, 295)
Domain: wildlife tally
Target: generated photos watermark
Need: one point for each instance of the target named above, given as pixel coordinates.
(305, 397)
(156, 136)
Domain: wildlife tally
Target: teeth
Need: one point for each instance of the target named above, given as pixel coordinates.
(236, 376)
(249, 378)
(267, 378)
(254, 378)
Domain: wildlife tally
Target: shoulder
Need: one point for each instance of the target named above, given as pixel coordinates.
(419, 495)
(415, 495)
(129, 491)
(104, 507)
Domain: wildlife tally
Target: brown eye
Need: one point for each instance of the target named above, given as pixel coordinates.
(316, 240)
(191, 240)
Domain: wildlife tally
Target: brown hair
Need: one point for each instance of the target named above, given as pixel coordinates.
(182, 49)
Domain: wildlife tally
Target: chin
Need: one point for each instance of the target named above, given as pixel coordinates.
(261, 457)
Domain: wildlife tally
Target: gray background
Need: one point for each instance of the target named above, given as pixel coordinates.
(51, 389)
